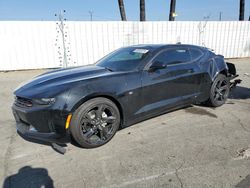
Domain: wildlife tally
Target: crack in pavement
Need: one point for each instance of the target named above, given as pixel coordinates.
(177, 175)
(143, 179)
(240, 122)
(130, 183)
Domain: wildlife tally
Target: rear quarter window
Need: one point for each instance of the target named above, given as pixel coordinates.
(174, 56)
(195, 53)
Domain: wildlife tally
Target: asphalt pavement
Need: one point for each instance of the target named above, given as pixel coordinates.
(193, 147)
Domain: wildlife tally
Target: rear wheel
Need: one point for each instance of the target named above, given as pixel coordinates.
(95, 122)
(219, 91)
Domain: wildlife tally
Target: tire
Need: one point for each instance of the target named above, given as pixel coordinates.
(219, 91)
(95, 122)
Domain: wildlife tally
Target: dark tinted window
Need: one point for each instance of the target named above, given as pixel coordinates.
(195, 53)
(174, 56)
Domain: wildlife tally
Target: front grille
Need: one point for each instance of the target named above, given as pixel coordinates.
(23, 102)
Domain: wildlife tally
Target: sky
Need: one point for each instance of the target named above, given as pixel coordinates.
(107, 10)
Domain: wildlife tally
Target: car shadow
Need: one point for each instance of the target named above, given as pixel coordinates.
(29, 177)
(240, 92)
(245, 183)
(74, 143)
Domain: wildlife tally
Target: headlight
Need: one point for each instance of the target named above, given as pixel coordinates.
(44, 101)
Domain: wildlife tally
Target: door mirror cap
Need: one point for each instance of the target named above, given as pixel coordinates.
(157, 65)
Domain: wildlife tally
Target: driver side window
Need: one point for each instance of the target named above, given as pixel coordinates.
(174, 56)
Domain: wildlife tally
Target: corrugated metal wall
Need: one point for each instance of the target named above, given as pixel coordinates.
(38, 44)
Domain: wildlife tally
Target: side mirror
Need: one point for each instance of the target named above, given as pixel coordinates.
(157, 65)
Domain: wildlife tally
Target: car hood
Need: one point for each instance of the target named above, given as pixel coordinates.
(53, 82)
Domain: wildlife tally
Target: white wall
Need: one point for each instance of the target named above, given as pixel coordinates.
(31, 45)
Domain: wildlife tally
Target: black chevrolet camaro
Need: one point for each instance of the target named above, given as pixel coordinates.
(90, 103)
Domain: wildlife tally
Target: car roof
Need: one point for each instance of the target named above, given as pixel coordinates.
(154, 47)
(148, 46)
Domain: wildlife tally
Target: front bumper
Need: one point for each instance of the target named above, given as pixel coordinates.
(30, 133)
(234, 82)
(232, 75)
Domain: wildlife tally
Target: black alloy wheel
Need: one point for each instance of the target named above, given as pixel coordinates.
(219, 91)
(95, 122)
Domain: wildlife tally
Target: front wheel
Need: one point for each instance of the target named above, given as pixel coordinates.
(95, 122)
(219, 91)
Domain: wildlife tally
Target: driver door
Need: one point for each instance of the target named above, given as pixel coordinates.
(174, 84)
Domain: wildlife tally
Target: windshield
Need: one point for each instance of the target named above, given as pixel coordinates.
(124, 59)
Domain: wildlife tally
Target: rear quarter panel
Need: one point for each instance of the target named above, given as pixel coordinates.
(211, 65)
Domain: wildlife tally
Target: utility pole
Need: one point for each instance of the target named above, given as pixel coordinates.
(122, 10)
(91, 15)
(172, 13)
(242, 10)
(220, 17)
(142, 10)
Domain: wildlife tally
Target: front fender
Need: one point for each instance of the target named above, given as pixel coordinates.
(113, 89)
